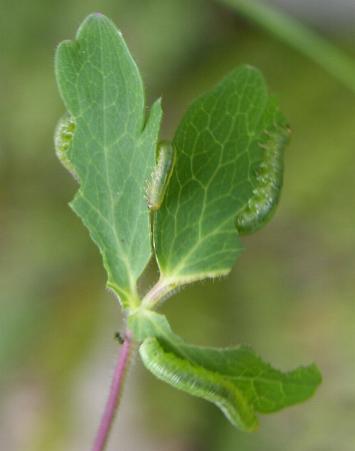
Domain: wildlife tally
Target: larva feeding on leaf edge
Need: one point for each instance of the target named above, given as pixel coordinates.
(161, 175)
(198, 381)
(64, 134)
(269, 178)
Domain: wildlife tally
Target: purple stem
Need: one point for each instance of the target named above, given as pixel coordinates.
(116, 389)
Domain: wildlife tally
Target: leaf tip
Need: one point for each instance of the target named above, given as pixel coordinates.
(95, 20)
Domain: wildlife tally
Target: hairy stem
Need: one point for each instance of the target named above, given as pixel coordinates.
(298, 36)
(162, 290)
(115, 393)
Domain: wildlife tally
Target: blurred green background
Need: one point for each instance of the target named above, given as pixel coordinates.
(290, 295)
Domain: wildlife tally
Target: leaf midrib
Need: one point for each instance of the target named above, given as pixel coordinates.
(112, 223)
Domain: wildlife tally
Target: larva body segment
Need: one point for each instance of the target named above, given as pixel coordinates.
(161, 175)
(198, 381)
(63, 137)
(269, 179)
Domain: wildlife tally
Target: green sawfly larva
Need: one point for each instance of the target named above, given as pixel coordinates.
(269, 178)
(161, 175)
(191, 378)
(63, 137)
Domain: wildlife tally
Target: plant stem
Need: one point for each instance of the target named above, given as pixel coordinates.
(160, 292)
(298, 36)
(116, 389)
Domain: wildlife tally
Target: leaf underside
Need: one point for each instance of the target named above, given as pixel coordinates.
(229, 151)
(112, 151)
(235, 379)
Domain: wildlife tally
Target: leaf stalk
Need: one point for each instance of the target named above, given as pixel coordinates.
(161, 291)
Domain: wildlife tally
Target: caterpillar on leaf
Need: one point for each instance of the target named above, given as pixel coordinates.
(198, 381)
(161, 175)
(269, 178)
(63, 137)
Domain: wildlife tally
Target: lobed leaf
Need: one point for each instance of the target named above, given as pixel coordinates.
(235, 379)
(111, 148)
(226, 179)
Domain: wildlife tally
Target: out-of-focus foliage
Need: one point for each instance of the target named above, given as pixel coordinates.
(56, 321)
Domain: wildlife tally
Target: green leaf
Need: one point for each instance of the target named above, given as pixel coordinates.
(226, 179)
(109, 146)
(235, 379)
